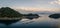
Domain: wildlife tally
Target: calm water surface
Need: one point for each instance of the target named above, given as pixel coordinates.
(42, 22)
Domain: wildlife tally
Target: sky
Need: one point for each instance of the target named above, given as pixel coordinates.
(32, 5)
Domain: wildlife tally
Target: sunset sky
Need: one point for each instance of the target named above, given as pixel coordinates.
(32, 5)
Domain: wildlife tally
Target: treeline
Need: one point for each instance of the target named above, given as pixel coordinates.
(9, 12)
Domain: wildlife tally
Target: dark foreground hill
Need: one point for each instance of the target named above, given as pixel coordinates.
(6, 13)
(9, 12)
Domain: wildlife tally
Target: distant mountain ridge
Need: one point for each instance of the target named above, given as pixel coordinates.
(45, 12)
(41, 12)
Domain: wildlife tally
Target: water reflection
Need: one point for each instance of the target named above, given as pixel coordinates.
(42, 22)
(8, 22)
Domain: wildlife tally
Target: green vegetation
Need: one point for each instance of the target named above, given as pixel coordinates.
(8, 12)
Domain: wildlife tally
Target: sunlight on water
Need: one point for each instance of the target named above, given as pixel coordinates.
(43, 21)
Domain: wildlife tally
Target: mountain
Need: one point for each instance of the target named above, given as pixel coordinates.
(36, 12)
(45, 12)
(9, 12)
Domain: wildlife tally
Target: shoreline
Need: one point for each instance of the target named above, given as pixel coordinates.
(10, 18)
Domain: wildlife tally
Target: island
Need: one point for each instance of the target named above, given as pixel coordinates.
(55, 16)
(9, 15)
(31, 16)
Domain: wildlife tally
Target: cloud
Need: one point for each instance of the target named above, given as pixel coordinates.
(32, 9)
(55, 2)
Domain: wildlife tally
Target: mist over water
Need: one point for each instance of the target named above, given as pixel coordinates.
(44, 22)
